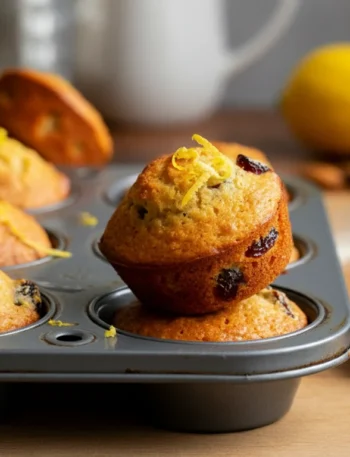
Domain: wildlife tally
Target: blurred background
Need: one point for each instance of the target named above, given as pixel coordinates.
(43, 33)
(253, 71)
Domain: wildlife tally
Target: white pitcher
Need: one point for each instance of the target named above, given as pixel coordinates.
(163, 61)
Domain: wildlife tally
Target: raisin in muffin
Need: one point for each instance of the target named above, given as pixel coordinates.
(267, 314)
(20, 303)
(27, 180)
(22, 239)
(198, 232)
(49, 115)
(233, 150)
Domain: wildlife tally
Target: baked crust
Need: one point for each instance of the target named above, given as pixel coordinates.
(232, 150)
(205, 256)
(12, 249)
(48, 114)
(20, 303)
(191, 287)
(26, 179)
(267, 314)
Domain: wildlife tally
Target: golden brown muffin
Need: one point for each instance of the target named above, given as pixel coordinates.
(197, 232)
(295, 255)
(22, 239)
(20, 303)
(48, 114)
(266, 314)
(232, 150)
(27, 180)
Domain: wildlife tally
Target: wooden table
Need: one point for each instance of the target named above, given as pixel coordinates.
(317, 426)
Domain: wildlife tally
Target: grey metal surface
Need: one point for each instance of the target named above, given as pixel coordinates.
(81, 352)
(220, 407)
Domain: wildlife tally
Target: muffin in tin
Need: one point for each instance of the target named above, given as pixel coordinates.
(27, 180)
(22, 239)
(197, 232)
(48, 114)
(20, 303)
(267, 314)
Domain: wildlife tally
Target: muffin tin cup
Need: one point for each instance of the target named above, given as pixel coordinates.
(219, 407)
(222, 386)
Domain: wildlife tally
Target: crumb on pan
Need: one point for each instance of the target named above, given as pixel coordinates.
(111, 332)
(88, 219)
(54, 323)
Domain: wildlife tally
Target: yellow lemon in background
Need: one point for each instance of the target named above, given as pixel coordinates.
(316, 100)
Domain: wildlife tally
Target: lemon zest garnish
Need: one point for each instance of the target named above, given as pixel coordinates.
(32, 244)
(193, 189)
(185, 154)
(60, 323)
(88, 219)
(111, 332)
(3, 135)
(213, 169)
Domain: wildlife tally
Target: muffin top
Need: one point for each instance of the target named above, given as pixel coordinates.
(264, 315)
(22, 239)
(27, 180)
(191, 204)
(20, 303)
(233, 150)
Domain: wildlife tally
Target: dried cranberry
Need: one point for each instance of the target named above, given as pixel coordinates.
(253, 166)
(227, 283)
(142, 211)
(264, 244)
(281, 298)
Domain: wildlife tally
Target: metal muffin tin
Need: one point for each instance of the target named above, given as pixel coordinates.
(189, 386)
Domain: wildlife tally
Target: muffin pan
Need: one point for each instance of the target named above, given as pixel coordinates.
(189, 386)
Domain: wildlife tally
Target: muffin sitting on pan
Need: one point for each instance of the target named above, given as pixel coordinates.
(22, 239)
(27, 180)
(20, 303)
(198, 232)
(48, 114)
(267, 314)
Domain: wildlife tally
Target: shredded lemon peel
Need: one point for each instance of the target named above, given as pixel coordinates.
(205, 164)
(32, 244)
(54, 323)
(88, 219)
(111, 332)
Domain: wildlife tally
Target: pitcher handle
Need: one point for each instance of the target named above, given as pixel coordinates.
(282, 17)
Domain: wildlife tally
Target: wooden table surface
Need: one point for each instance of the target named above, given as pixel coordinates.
(51, 421)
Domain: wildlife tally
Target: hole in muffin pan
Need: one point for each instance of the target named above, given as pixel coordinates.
(48, 309)
(102, 309)
(73, 337)
(295, 197)
(118, 189)
(72, 197)
(57, 242)
(305, 249)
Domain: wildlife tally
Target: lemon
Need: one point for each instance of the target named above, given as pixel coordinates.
(316, 100)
